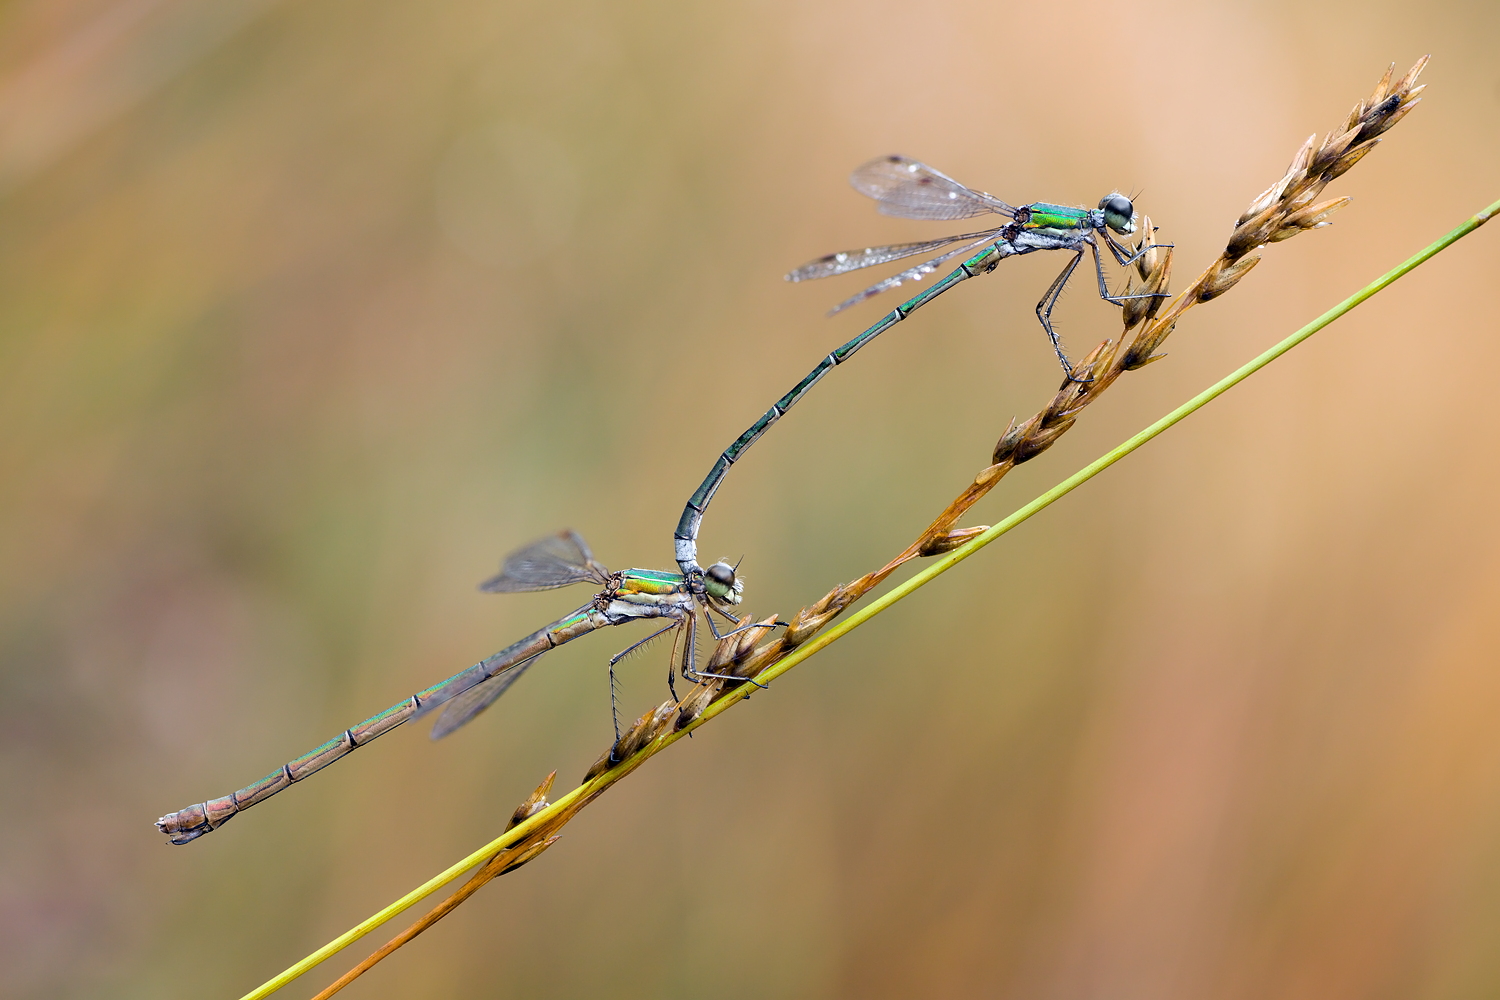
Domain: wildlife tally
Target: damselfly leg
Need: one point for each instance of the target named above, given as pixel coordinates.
(1044, 309)
(1123, 257)
(614, 687)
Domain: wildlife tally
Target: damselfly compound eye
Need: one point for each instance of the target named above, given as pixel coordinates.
(1119, 213)
(721, 573)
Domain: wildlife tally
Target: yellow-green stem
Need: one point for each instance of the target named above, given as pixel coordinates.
(875, 607)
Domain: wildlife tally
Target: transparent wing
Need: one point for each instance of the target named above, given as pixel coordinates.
(910, 274)
(555, 561)
(853, 260)
(478, 698)
(913, 190)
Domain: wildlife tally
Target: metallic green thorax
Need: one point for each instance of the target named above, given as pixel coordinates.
(648, 586)
(1055, 217)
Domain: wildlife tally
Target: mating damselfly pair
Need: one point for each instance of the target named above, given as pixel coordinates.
(902, 187)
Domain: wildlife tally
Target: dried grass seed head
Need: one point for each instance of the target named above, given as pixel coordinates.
(1277, 214)
(533, 803)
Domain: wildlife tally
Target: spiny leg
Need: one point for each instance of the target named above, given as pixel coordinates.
(708, 607)
(1044, 309)
(698, 676)
(689, 653)
(1125, 258)
(637, 645)
(614, 706)
(614, 709)
(1122, 253)
(745, 628)
(735, 631)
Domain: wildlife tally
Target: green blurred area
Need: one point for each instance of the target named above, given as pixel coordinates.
(310, 312)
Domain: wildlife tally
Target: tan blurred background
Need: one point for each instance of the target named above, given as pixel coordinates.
(309, 312)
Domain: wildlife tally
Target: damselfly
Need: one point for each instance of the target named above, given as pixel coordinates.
(912, 190)
(558, 561)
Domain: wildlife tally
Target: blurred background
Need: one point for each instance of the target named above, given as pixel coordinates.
(309, 312)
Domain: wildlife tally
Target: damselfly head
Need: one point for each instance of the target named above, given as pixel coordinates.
(1119, 213)
(722, 584)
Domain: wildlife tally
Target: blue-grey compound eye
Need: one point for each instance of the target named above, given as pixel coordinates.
(1119, 213)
